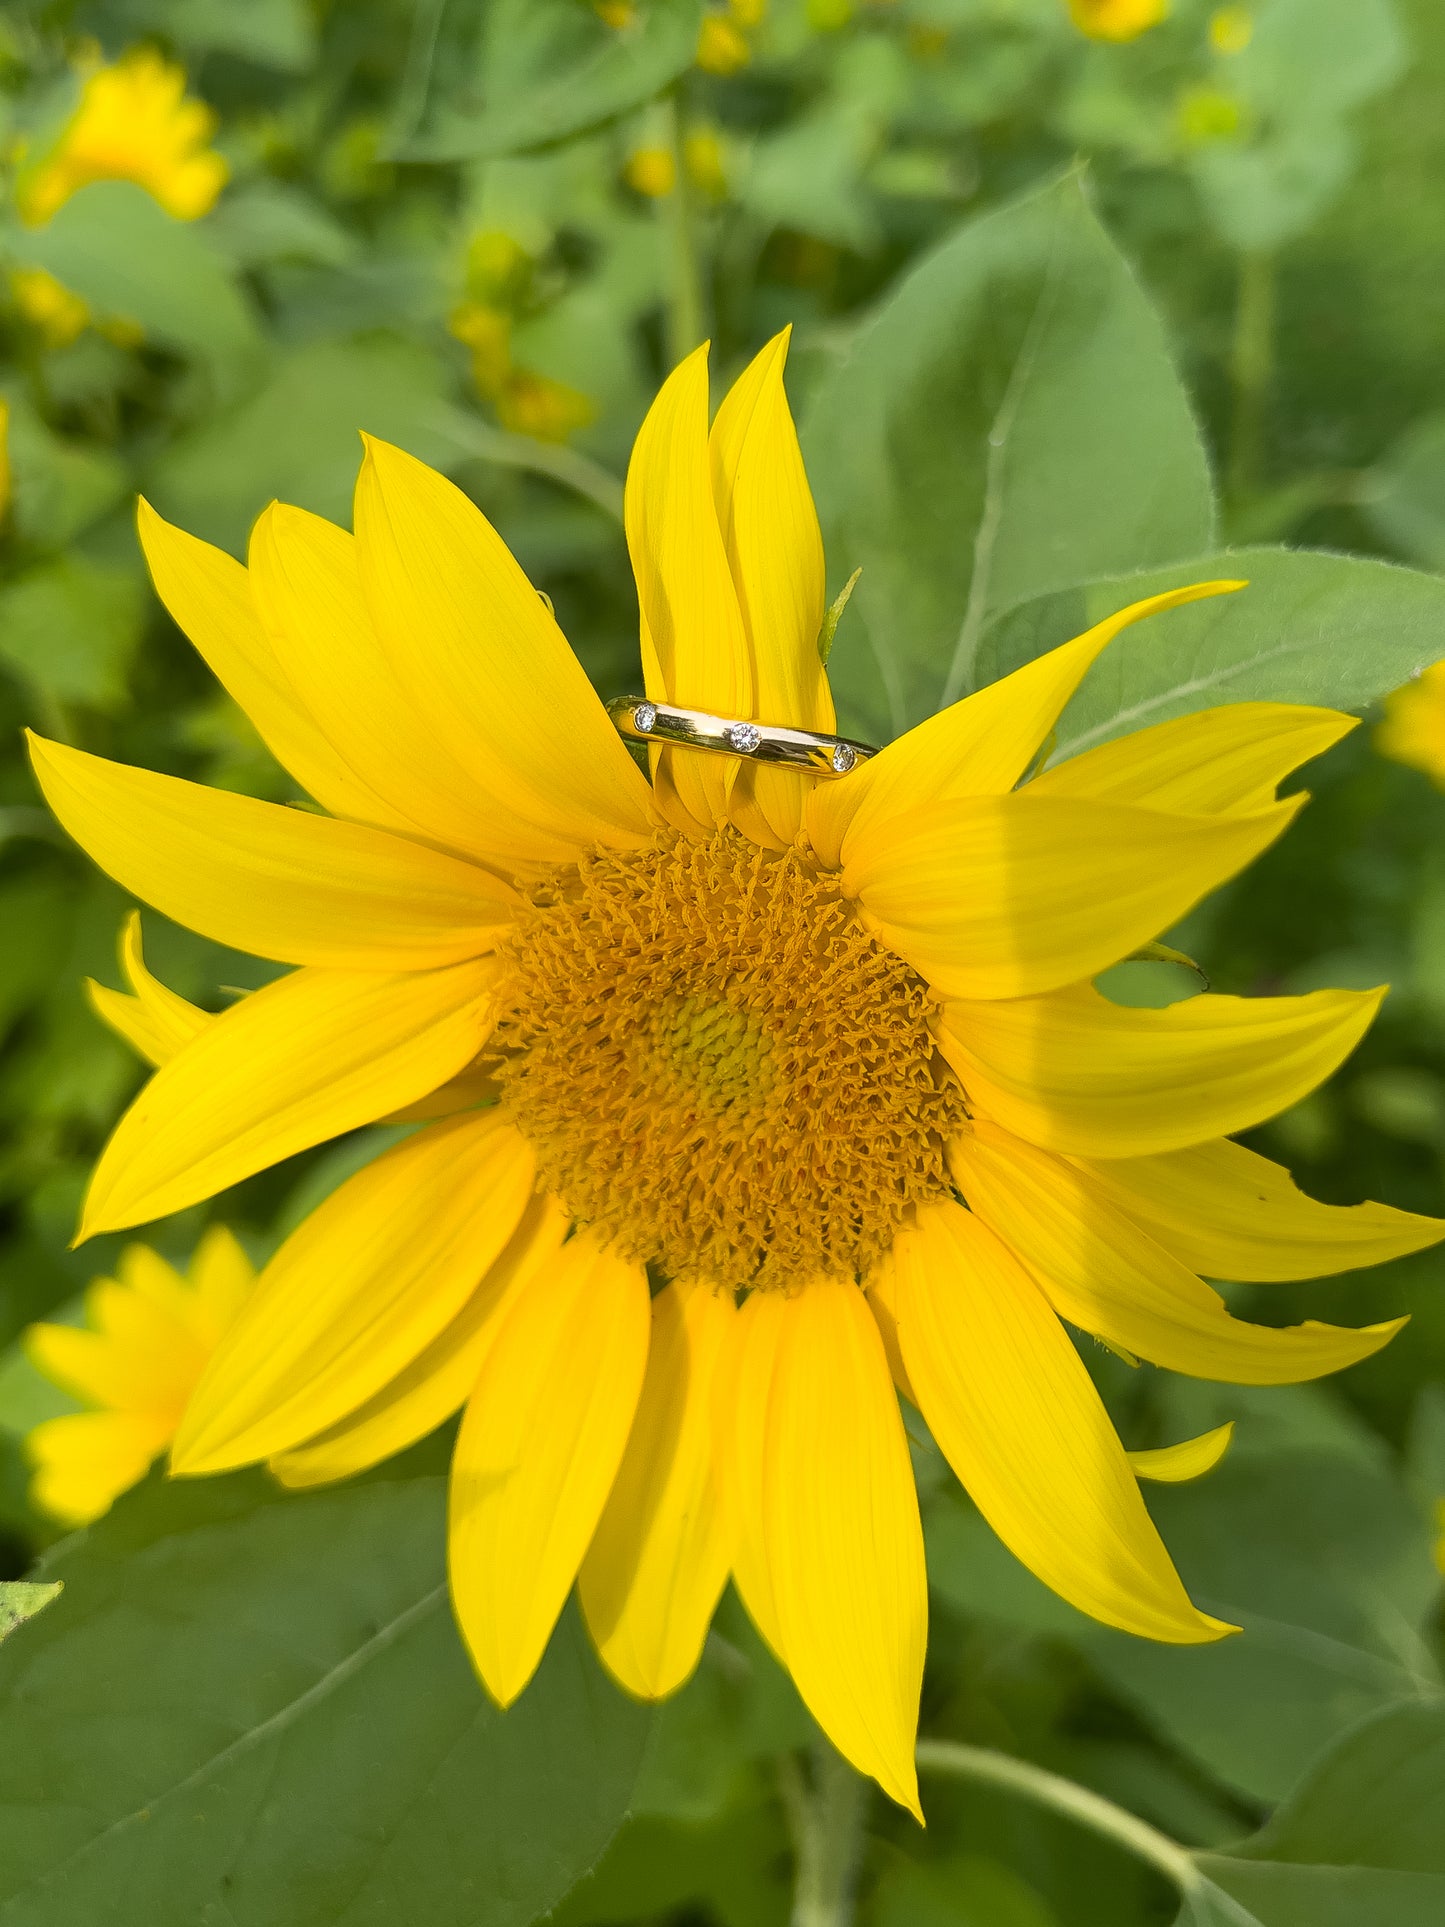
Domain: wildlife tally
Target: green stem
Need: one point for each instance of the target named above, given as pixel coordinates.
(825, 1817)
(1251, 368)
(684, 305)
(1077, 1803)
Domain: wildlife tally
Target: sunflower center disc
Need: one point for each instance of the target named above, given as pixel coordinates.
(720, 1068)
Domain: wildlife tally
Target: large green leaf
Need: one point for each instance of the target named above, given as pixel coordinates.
(1319, 1555)
(254, 1708)
(1008, 423)
(1310, 628)
(1361, 1842)
(69, 628)
(117, 249)
(523, 73)
(22, 1599)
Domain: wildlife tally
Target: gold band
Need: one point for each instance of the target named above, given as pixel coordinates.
(642, 721)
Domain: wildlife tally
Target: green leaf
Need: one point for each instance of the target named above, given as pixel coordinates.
(1008, 423)
(967, 1891)
(297, 438)
(1310, 628)
(1361, 1842)
(123, 254)
(1376, 1800)
(22, 1599)
(1405, 500)
(1318, 57)
(273, 33)
(253, 1707)
(69, 627)
(1210, 1906)
(1319, 1555)
(60, 486)
(524, 73)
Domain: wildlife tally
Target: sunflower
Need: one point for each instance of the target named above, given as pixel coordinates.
(133, 123)
(744, 1097)
(147, 1336)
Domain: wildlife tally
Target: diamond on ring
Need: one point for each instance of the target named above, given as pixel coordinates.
(644, 716)
(844, 757)
(744, 737)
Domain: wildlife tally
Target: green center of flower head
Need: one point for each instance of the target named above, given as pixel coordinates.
(718, 1056)
(719, 1067)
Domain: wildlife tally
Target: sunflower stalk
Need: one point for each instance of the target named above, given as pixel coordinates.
(685, 323)
(825, 1818)
(1077, 1803)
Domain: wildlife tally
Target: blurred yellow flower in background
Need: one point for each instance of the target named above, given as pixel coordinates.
(1231, 29)
(536, 405)
(133, 123)
(487, 331)
(1413, 731)
(650, 171)
(1207, 114)
(704, 158)
(1117, 19)
(56, 313)
(722, 46)
(148, 1336)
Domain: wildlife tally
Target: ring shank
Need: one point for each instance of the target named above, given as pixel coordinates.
(639, 720)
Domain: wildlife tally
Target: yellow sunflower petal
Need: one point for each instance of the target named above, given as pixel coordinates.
(85, 1460)
(775, 551)
(658, 1560)
(1104, 1274)
(156, 1022)
(692, 623)
(359, 1289)
(307, 586)
(1017, 1417)
(1217, 759)
(1007, 896)
(741, 1400)
(439, 1379)
(978, 747)
(277, 882)
(1229, 1213)
(539, 1448)
(313, 1055)
(488, 669)
(208, 594)
(844, 1543)
(465, 1092)
(1075, 1073)
(1190, 1459)
(882, 1284)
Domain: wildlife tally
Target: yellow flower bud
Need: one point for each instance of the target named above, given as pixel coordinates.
(1116, 19)
(48, 305)
(651, 171)
(548, 410)
(721, 45)
(1231, 29)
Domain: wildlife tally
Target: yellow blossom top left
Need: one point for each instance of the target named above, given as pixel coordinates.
(133, 123)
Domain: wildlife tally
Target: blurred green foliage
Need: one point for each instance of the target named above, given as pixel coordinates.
(484, 231)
